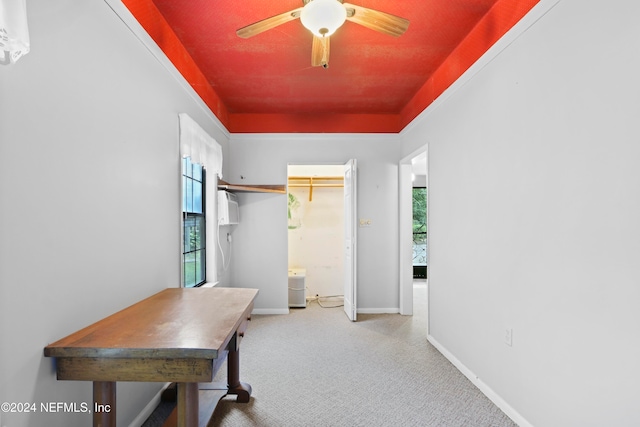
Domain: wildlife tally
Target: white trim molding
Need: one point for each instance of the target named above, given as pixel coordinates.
(482, 386)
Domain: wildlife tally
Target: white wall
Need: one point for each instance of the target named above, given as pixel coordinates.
(260, 240)
(89, 195)
(317, 245)
(533, 218)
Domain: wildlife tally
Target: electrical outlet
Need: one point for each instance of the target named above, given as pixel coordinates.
(508, 337)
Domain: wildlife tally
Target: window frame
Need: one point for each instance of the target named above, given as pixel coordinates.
(198, 214)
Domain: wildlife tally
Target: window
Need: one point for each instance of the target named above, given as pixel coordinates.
(193, 220)
(419, 232)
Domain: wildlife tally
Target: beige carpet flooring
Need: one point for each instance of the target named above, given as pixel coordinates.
(314, 367)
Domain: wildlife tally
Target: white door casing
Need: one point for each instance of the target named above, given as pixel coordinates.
(350, 235)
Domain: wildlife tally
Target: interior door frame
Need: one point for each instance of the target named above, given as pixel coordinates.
(405, 230)
(350, 296)
(405, 235)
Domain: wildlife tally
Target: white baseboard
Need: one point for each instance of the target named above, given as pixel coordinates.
(148, 410)
(270, 311)
(394, 310)
(484, 388)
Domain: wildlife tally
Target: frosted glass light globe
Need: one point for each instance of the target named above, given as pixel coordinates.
(323, 17)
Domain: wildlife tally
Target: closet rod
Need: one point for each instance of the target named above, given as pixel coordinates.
(316, 185)
(312, 182)
(317, 178)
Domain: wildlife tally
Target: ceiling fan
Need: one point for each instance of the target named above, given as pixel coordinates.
(323, 18)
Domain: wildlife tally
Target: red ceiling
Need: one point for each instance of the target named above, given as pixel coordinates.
(374, 83)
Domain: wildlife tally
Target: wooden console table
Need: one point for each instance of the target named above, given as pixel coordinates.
(179, 335)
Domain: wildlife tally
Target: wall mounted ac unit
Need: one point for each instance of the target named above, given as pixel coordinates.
(228, 210)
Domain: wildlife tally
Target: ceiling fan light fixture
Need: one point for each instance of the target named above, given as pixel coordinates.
(323, 17)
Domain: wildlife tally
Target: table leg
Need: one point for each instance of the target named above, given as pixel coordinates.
(240, 389)
(188, 404)
(104, 404)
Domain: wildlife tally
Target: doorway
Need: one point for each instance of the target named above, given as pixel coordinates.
(322, 243)
(315, 221)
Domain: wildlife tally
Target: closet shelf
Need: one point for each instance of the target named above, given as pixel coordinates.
(279, 189)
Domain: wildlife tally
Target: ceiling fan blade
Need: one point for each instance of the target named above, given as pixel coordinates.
(320, 52)
(268, 23)
(376, 20)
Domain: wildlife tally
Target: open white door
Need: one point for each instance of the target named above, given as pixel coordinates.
(350, 229)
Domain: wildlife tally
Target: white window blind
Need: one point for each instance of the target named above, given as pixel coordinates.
(14, 31)
(199, 145)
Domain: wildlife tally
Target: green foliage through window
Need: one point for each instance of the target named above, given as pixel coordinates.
(419, 227)
(419, 210)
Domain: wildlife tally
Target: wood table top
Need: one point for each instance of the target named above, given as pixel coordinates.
(174, 323)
